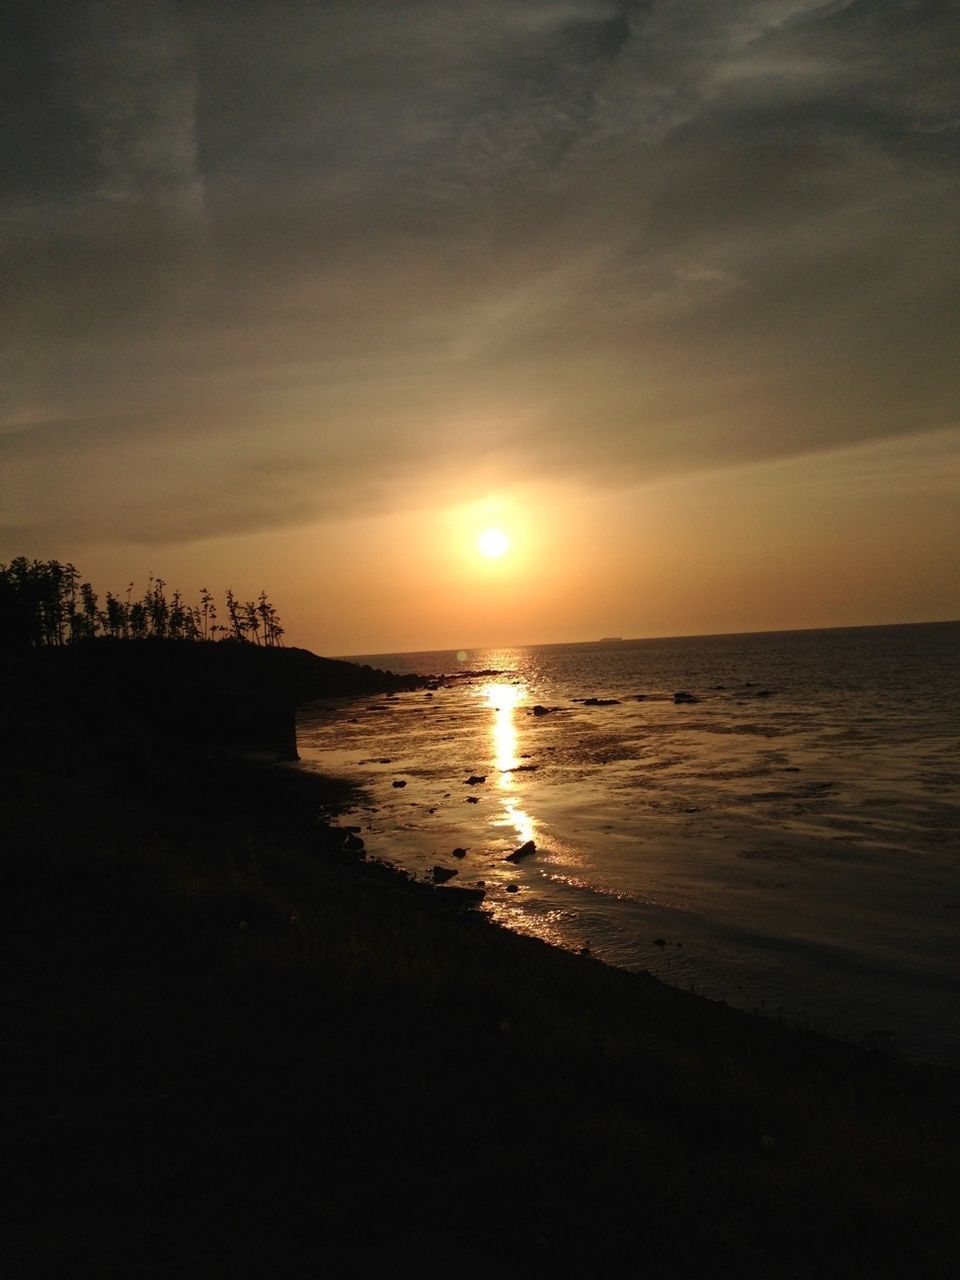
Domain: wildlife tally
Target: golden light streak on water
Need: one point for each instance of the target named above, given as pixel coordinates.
(525, 826)
(503, 700)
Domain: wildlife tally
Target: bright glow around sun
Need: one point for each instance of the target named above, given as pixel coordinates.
(493, 543)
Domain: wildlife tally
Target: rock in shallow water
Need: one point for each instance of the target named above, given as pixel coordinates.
(524, 851)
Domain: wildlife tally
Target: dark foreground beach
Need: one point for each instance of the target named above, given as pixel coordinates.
(236, 1048)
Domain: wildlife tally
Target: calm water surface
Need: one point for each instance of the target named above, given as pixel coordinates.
(787, 843)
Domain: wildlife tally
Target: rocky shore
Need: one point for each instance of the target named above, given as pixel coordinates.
(242, 1049)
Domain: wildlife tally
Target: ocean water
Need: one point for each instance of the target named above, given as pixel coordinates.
(789, 843)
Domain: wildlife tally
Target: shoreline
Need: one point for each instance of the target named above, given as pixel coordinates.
(773, 878)
(219, 1006)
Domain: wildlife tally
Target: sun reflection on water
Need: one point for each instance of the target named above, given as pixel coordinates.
(503, 700)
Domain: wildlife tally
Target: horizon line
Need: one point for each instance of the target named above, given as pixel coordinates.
(705, 635)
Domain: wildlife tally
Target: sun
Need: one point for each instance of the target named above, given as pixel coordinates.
(493, 543)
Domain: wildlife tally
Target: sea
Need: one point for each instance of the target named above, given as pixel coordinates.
(783, 837)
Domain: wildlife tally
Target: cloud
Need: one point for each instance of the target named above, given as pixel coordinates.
(296, 260)
(136, 87)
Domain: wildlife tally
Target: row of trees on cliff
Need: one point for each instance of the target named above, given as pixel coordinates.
(43, 603)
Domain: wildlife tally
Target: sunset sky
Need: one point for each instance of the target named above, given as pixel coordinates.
(309, 296)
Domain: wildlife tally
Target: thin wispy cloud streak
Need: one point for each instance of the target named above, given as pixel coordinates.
(271, 264)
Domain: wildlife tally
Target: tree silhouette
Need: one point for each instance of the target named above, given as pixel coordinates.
(43, 603)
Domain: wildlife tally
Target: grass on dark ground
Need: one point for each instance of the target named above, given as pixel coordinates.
(238, 1052)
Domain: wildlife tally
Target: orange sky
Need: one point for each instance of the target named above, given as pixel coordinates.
(867, 535)
(306, 296)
